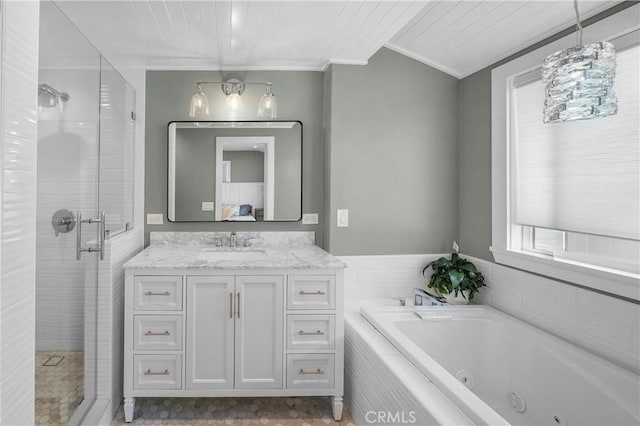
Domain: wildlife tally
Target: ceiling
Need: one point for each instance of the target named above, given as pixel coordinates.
(458, 37)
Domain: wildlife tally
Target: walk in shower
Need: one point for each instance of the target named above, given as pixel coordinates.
(84, 196)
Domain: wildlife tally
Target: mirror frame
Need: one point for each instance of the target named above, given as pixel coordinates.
(232, 124)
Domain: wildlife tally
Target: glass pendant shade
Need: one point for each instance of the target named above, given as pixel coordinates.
(233, 103)
(267, 107)
(199, 103)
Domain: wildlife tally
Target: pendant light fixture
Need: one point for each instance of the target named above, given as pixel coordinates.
(233, 90)
(579, 80)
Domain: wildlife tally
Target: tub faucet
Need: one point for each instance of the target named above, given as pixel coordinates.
(232, 240)
(421, 297)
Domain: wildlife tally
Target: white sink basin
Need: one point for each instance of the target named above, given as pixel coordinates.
(240, 256)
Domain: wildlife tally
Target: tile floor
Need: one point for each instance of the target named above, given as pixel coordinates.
(303, 411)
(58, 386)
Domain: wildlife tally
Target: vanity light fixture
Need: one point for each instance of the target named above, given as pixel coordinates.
(579, 80)
(233, 90)
(199, 103)
(267, 107)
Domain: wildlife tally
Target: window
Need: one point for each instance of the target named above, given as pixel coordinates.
(606, 252)
(567, 195)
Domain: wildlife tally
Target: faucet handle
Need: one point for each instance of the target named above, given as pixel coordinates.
(217, 241)
(246, 241)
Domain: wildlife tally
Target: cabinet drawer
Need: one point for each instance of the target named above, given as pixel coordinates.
(311, 292)
(310, 371)
(157, 332)
(158, 293)
(157, 372)
(310, 331)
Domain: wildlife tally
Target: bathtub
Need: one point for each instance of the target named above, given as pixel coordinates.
(498, 370)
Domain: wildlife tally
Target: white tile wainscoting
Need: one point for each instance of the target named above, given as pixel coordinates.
(18, 129)
(601, 324)
(110, 316)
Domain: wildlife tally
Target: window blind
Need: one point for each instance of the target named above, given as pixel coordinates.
(580, 176)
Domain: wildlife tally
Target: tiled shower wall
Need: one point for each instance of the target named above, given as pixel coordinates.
(604, 325)
(18, 92)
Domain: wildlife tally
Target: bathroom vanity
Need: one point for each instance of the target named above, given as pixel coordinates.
(264, 318)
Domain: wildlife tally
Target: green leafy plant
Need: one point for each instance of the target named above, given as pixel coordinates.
(455, 276)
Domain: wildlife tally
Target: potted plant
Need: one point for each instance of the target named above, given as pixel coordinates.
(457, 279)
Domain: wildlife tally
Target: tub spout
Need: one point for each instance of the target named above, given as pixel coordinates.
(421, 297)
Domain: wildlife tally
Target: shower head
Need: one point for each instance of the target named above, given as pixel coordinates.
(50, 97)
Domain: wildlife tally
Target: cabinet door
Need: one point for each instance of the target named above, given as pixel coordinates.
(210, 325)
(259, 332)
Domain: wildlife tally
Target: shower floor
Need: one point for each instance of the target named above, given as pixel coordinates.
(59, 386)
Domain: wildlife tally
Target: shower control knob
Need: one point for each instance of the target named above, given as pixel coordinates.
(63, 221)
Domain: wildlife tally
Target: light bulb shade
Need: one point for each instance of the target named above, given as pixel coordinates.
(267, 107)
(199, 104)
(579, 83)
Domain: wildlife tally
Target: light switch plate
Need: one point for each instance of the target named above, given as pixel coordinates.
(310, 219)
(207, 206)
(155, 219)
(343, 218)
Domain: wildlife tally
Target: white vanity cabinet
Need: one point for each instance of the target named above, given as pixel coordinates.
(232, 333)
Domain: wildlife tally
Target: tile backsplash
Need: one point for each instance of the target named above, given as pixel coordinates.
(606, 326)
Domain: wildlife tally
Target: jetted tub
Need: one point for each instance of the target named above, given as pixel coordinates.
(499, 370)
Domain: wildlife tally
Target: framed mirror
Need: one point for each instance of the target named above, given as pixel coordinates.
(239, 171)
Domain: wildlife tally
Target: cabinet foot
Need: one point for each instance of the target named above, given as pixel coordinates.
(129, 406)
(337, 407)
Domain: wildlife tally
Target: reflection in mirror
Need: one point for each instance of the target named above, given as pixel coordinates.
(235, 171)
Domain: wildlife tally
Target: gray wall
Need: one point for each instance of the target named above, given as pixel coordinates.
(475, 148)
(246, 166)
(392, 140)
(167, 99)
(287, 181)
(475, 165)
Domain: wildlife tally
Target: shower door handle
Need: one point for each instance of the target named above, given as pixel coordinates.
(101, 235)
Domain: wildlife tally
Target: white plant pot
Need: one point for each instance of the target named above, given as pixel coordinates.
(459, 299)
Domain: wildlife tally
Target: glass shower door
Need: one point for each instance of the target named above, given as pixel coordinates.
(67, 184)
(117, 127)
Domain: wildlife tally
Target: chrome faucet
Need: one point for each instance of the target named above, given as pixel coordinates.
(421, 297)
(232, 240)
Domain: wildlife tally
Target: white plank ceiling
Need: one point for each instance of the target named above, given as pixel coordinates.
(458, 37)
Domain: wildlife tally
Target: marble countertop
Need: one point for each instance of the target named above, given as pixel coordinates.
(199, 251)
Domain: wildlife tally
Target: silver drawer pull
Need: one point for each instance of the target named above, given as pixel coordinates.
(311, 293)
(157, 333)
(317, 371)
(151, 293)
(311, 333)
(156, 373)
